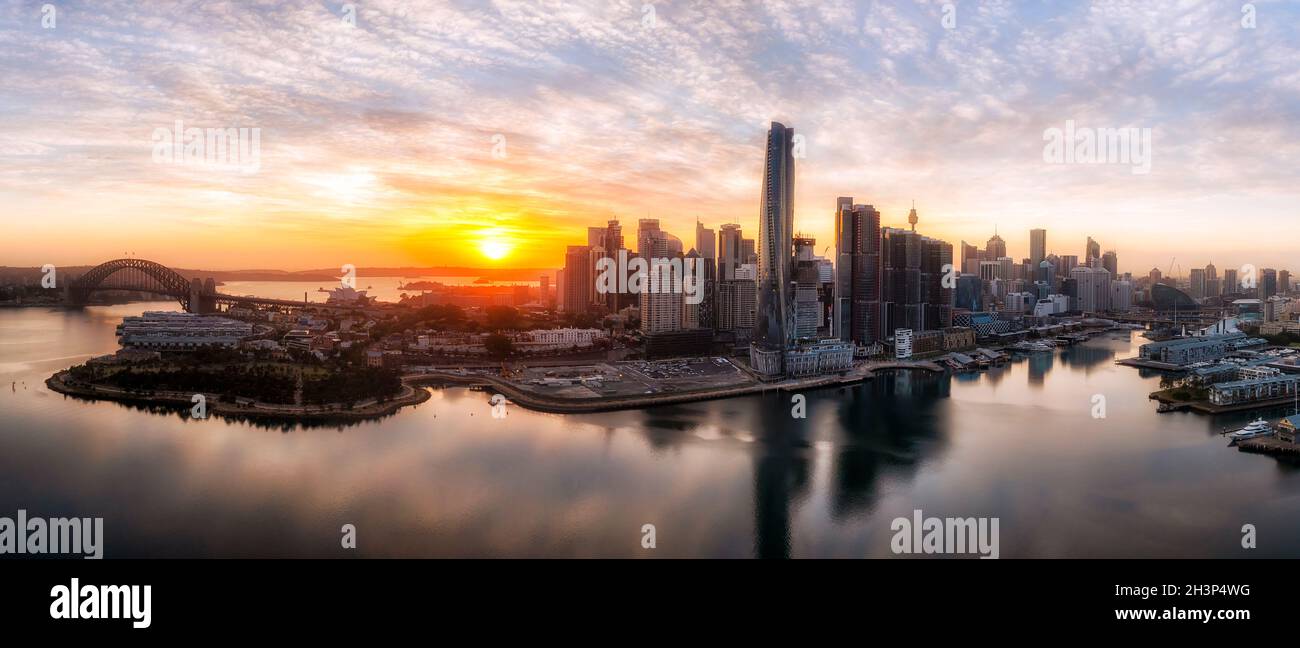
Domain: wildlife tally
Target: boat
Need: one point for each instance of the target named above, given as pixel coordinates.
(1257, 428)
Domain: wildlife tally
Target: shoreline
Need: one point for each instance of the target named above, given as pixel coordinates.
(413, 394)
(560, 405)
(410, 395)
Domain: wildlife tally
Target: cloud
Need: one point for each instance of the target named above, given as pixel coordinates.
(604, 115)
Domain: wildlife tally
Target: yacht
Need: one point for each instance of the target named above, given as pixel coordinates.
(1259, 427)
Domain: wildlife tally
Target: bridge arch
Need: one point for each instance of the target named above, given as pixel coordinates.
(165, 281)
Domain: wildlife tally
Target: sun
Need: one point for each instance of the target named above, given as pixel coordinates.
(494, 249)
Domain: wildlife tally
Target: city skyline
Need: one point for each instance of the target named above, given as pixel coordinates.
(379, 147)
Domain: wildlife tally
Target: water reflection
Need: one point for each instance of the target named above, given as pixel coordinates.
(729, 478)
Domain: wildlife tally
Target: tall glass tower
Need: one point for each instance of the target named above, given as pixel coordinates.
(773, 326)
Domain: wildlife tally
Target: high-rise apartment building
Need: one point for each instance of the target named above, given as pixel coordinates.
(774, 328)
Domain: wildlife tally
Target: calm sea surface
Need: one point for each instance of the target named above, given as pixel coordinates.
(729, 478)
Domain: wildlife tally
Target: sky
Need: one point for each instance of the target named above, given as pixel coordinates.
(491, 134)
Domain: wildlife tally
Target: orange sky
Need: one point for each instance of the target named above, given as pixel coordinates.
(442, 135)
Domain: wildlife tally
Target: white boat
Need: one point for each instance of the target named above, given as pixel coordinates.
(1259, 427)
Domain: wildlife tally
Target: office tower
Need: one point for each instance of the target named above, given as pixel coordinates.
(1006, 268)
(645, 229)
(1092, 287)
(1037, 246)
(1110, 261)
(662, 304)
(1283, 281)
(1091, 251)
(912, 293)
(1267, 283)
(857, 289)
(969, 292)
(596, 237)
(544, 291)
(1068, 263)
(1230, 285)
(1046, 273)
(1155, 275)
(578, 281)
(705, 241)
(989, 270)
(729, 251)
(1197, 278)
(970, 258)
(613, 238)
(748, 253)
(773, 330)
(995, 248)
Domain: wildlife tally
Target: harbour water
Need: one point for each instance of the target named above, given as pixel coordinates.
(728, 478)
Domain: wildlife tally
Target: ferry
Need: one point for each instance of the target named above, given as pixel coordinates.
(1258, 428)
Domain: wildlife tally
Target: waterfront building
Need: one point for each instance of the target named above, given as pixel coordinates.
(857, 280)
(774, 325)
(825, 356)
(1185, 351)
(1248, 391)
(913, 295)
(902, 343)
(170, 331)
(1287, 427)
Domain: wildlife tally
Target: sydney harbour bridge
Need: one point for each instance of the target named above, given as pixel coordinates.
(195, 295)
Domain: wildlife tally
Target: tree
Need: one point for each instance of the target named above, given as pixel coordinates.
(502, 318)
(498, 346)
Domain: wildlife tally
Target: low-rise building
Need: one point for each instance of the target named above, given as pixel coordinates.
(169, 331)
(825, 356)
(1250, 391)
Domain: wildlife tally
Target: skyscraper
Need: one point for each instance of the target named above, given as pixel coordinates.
(1091, 251)
(857, 288)
(1110, 261)
(774, 330)
(704, 241)
(729, 251)
(1037, 247)
(645, 233)
(996, 248)
(578, 282)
